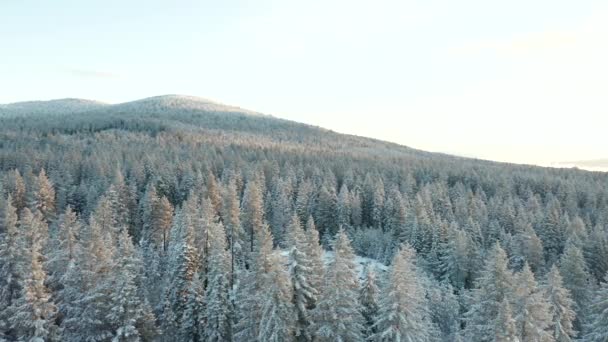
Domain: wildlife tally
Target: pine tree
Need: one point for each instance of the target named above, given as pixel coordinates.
(560, 307)
(531, 309)
(505, 326)
(368, 297)
(12, 265)
(183, 263)
(492, 288)
(300, 272)
(277, 322)
(314, 252)
(219, 311)
(32, 315)
(64, 248)
(250, 304)
(344, 207)
(337, 316)
(43, 197)
(597, 330)
(252, 212)
(192, 327)
(577, 280)
(232, 222)
(88, 286)
(403, 315)
(127, 312)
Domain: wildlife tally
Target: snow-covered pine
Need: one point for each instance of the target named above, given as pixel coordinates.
(300, 274)
(278, 317)
(192, 328)
(560, 307)
(597, 330)
(531, 309)
(12, 268)
(314, 251)
(32, 316)
(337, 316)
(403, 314)
(492, 288)
(577, 280)
(368, 298)
(255, 281)
(505, 329)
(128, 310)
(219, 314)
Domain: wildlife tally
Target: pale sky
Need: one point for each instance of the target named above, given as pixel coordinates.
(522, 80)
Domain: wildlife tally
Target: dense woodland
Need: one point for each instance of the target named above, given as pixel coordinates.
(172, 219)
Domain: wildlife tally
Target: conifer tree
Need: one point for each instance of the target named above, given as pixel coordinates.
(577, 280)
(277, 322)
(505, 329)
(492, 288)
(192, 328)
(314, 252)
(337, 316)
(43, 197)
(219, 311)
(597, 330)
(300, 272)
(12, 263)
(560, 307)
(368, 297)
(32, 315)
(531, 309)
(403, 315)
(64, 247)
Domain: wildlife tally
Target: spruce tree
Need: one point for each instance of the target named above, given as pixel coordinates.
(597, 330)
(531, 309)
(560, 307)
(492, 288)
(337, 316)
(219, 311)
(300, 272)
(403, 314)
(368, 297)
(32, 315)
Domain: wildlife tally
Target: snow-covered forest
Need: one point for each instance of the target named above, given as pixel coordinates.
(175, 219)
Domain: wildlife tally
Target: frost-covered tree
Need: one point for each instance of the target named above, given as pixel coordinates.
(492, 288)
(64, 247)
(128, 312)
(300, 273)
(531, 309)
(403, 314)
(43, 196)
(578, 281)
(250, 304)
(32, 315)
(597, 330)
(277, 322)
(231, 216)
(560, 307)
(219, 311)
(12, 263)
(88, 287)
(337, 316)
(192, 328)
(252, 212)
(315, 253)
(505, 329)
(368, 298)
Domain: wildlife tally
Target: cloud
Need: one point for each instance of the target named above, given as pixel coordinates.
(84, 73)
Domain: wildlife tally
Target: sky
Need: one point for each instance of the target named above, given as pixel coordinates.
(522, 81)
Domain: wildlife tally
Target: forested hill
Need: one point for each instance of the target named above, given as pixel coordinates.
(160, 219)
